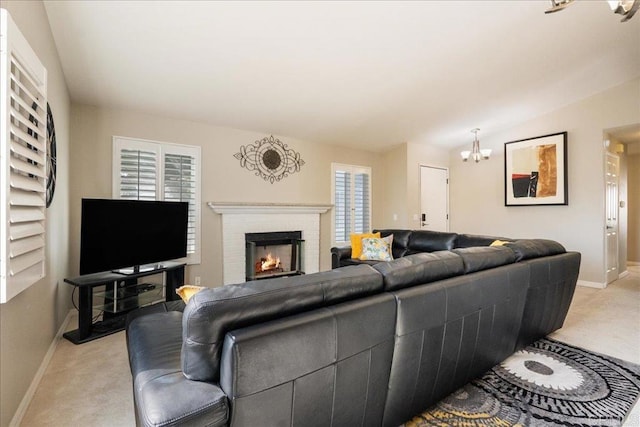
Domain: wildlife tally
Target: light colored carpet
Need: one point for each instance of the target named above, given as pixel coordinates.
(90, 384)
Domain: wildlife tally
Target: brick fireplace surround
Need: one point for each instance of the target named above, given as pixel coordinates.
(241, 218)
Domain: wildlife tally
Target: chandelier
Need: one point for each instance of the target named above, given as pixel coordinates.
(626, 8)
(476, 153)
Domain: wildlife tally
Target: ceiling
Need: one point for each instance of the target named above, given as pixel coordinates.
(368, 75)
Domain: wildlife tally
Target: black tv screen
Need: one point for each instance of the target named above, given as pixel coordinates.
(120, 234)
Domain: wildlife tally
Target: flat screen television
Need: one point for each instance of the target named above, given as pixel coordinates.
(128, 236)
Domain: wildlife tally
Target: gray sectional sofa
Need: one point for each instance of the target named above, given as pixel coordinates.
(356, 345)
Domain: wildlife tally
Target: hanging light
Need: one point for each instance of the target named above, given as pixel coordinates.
(476, 153)
(558, 5)
(626, 8)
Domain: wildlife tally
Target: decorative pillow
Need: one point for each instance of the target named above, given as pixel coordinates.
(356, 243)
(389, 240)
(187, 291)
(498, 243)
(375, 249)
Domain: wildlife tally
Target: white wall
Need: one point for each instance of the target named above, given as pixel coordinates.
(477, 190)
(29, 321)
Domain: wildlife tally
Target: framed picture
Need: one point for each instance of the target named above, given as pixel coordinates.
(535, 171)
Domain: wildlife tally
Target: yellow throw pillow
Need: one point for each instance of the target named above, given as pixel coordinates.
(356, 243)
(187, 291)
(498, 243)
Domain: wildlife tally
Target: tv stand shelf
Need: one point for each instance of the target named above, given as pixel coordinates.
(118, 301)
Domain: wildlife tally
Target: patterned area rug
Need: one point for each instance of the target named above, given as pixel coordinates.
(547, 384)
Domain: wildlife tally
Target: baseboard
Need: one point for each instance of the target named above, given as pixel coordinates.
(623, 274)
(31, 391)
(592, 284)
(634, 263)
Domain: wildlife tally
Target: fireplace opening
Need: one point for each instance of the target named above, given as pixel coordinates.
(273, 254)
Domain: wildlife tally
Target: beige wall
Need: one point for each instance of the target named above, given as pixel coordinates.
(29, 321)
(223, 180)
(394, 189)
(477, 190)
(633, 178)
(401, 174)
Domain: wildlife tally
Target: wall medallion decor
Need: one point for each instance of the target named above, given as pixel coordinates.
(51, 157)
(536, 171)
(270, 159)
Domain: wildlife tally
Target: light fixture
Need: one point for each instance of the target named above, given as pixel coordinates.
(626, 8)
(476, 153)
(558, 5)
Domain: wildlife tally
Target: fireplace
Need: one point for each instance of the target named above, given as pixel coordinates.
(273, 254)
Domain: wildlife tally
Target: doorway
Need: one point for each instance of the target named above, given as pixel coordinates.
(434, 198)
(622, 200)
(612, 182)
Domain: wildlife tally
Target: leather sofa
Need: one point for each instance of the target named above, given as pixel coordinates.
(408, 242)
(357, 345)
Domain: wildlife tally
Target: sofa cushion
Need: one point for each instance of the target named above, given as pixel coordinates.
(485, 257)
(162, 394)
(535, 248)
(211, 313)
(319, 368)
(430, 241)
(420, 268)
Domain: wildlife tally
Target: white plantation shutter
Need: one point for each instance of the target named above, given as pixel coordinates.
(351, 198)
(341, 205)
(149, 170)
(180, 186)
(23, 113)
(138, 174)
(361, 206)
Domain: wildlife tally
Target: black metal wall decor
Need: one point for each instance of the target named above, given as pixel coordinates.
(270, 159)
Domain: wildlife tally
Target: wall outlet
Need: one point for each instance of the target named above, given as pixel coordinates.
(197, 280)
(395, 217)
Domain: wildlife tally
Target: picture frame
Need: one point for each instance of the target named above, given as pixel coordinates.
(535, 171)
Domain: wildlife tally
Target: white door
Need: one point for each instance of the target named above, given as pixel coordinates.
(434, 198)
(611, 203)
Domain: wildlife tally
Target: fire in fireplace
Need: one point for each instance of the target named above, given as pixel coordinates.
(273, 254)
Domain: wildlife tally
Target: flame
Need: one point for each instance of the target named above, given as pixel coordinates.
(269, 263)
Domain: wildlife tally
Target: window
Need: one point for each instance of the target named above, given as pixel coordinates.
(149, 170)
(23, 112)
(351, 198)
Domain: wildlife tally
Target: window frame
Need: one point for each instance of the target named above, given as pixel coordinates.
(161, 149)
(352, 170)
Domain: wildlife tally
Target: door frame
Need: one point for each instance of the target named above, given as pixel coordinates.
(446, 169)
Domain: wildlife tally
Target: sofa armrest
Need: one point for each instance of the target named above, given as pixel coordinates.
(338, 254)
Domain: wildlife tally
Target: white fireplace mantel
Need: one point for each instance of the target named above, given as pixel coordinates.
(270, 208)
(241, 218)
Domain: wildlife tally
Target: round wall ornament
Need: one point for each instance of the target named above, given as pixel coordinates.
(51, 157)
(270, 159)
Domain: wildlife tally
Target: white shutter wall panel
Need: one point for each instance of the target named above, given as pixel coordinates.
(23, 107)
